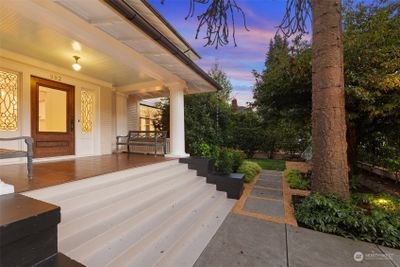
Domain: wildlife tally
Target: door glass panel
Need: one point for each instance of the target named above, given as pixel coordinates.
(52, 110)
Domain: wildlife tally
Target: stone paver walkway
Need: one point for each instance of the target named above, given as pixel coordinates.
(268, 198)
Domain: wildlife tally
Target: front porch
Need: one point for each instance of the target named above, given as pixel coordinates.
(52, 173)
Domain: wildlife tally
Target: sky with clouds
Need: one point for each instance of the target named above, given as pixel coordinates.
(262, 17)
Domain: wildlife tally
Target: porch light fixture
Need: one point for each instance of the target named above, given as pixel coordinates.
(76, 66)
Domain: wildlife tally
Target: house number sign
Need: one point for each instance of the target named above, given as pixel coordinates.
(55, 77)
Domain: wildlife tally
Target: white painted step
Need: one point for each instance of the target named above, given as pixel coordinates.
(149, 249)
(55, 194)
(105, 247)
(156, 215)
(83, 228)
(189, 247)
(78, 206)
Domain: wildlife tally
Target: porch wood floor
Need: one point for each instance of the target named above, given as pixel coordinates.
(57, 172)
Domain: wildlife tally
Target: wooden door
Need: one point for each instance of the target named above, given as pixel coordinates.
(52, 118)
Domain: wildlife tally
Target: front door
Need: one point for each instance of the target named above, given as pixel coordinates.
(52, 109)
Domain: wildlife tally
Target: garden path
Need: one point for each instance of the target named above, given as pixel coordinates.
(267, 197)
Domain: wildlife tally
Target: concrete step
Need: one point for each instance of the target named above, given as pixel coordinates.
(82, 204)
(189, 247)
(81, 229)
(105, 247)
(56, 194)
(162, 215)
(147, 251)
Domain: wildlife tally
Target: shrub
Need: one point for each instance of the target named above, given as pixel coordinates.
(364, 217)
(295, 180)
(238, 157)
(201, 150)
(250, 170)
(224, 161)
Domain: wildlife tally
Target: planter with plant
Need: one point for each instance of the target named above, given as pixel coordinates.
(225, 174)
(219, 166)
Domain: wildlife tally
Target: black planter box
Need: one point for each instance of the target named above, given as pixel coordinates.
(202, 165)
(231, 183)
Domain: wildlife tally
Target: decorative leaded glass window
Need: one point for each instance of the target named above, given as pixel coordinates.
(87, 111)
(8, 101)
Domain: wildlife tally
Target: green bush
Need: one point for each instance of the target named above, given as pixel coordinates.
(224, 161)
(295, 180)
(238, 157)
(201, 150)
(365, 217)
(250, 170)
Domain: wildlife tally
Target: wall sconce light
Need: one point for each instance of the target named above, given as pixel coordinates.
(76, 66)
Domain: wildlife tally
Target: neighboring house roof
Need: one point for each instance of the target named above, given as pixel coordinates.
(146, 20)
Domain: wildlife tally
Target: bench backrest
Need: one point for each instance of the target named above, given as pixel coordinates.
(147, 136)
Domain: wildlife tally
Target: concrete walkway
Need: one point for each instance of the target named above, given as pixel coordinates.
(261, 231)
(247, 241)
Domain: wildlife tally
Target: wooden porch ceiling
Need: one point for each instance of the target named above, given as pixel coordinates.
(47, 174)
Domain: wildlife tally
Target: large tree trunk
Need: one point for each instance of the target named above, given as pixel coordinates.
(330, 168)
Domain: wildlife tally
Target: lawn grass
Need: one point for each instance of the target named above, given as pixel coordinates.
(270, 164)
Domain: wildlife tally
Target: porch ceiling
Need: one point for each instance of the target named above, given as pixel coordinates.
(111, 48)
(24, 36)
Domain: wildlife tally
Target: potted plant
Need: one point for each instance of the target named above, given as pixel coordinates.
(225, 175)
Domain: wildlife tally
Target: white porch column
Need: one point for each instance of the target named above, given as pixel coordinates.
(177, 122)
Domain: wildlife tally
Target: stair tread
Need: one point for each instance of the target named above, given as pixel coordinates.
(146, 251)
(132, 229)
(189, 247)
(157, 215)
(120, 211)
(88, 202)
(61, 192)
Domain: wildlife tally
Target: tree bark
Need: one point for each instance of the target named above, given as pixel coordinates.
(330, 167)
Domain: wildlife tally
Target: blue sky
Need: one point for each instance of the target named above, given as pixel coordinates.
(262, 18)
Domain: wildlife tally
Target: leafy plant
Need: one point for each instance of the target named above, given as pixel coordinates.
(224, 162)
(250, 170)
(295, 180)
(363, 217)
(238, 157)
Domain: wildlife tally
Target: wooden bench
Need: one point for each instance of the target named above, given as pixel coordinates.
(8, 153)
(155, 139)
